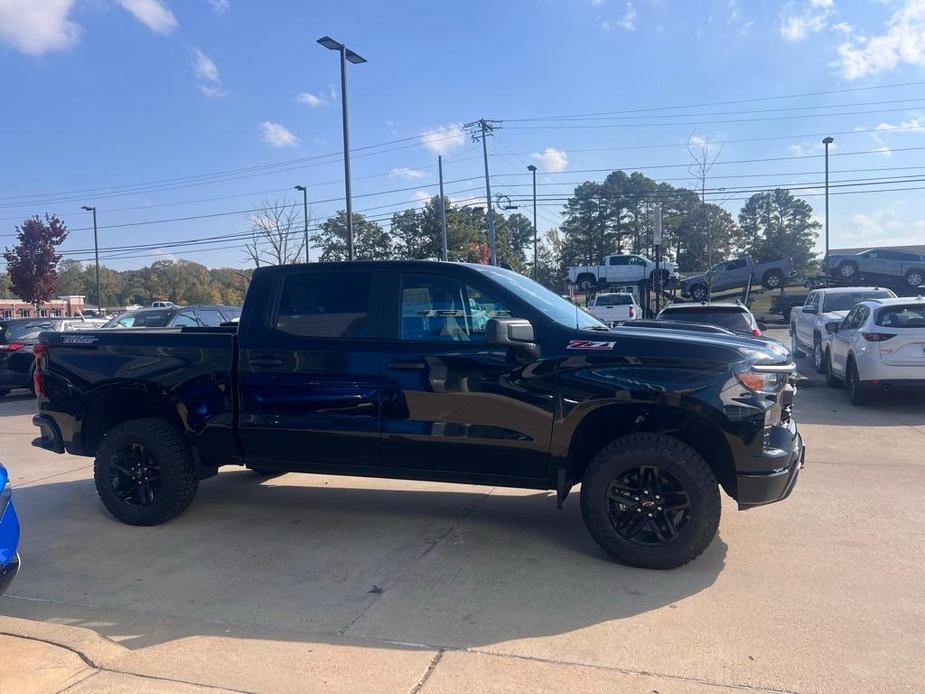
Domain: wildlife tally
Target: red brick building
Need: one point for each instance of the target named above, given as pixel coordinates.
(65, 306)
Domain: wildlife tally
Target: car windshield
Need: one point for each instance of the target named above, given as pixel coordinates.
(911, 316)
(734, 319)
(846, 301)
(549, 303)
(613, 300)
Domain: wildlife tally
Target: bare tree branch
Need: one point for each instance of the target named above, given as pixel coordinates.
(277, 236)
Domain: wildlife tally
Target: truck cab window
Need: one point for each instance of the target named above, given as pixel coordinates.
(435, 308)
(325, 305)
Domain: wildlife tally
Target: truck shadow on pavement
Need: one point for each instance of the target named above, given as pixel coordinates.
(310, 558)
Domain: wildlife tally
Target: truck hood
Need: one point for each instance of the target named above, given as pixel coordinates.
(683, 341)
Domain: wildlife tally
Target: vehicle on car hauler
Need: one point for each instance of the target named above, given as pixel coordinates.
(431, 371)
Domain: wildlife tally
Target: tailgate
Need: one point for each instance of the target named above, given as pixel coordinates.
(907, 348)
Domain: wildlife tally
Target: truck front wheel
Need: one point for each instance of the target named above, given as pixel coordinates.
(773, 280)
(143, 472)
(650, 500)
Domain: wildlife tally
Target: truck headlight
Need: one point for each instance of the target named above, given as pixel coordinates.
(760, 382)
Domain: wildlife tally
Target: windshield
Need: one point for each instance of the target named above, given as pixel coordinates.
(846, 302)
(549, 303)
(732, 319)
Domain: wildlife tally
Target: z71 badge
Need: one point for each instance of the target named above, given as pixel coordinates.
(590, 344)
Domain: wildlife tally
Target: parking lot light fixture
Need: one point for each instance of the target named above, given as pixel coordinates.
(96, 251)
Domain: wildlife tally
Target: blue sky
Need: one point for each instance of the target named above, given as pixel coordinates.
(128, 105)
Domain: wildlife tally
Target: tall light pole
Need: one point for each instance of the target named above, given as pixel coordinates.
(442, 209)
(305, 216)
(532, 169)
(827, 141)
(345, 55)
(96, 251)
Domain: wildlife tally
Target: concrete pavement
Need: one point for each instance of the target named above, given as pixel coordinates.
(323, 583)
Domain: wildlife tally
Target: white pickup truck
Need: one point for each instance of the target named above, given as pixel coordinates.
(618, 269)
(612, 308)
(813, 324)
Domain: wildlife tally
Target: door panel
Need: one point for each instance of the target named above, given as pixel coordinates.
(309, 379)
(455, 404)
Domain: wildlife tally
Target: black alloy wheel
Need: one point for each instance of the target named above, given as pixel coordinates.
(135, 475)
(648, 506)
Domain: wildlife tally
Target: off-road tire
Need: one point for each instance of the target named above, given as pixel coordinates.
(831, 380)
(685, 465)
(164, 444)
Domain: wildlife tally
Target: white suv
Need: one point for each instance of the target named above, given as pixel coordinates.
(879, 345)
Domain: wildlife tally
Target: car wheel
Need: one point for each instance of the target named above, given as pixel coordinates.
(818, 356)
(143, 472)
(650, 500)
(773, 280)
(915, 278)
(586, 284)
(795, 344)
(857, 393)
(699, 292)
(831, 380)
(847, 270)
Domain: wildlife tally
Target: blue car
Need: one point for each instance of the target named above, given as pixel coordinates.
(9, 532)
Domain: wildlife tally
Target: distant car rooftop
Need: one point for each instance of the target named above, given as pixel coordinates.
(849, 290)
(893, 301)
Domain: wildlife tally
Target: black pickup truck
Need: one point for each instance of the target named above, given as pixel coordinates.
(432, 371)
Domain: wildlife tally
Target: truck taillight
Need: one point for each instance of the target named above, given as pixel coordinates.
(11, 346)
(756, 332)
(632, 312)
(38, 384)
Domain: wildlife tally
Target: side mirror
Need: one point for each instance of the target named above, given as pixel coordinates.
(762, 326)
(810, 309)
(836, 327)
(512, 332)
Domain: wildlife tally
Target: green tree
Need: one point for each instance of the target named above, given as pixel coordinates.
(776, 224)
(370, 241)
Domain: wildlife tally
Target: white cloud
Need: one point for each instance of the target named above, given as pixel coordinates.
(811, 18)
(152, 14)
(406, 173)
(35, 28)
(220, 6)
(697, 141)
(208, 79)
(278, 135)
(629, 18)
(444, 138)
(391, 126)
(736, 19)
(913, 125)
(312, 100)
(423, 196)
(903, 42)
(880, 228)
(552, 159)
(844, 28)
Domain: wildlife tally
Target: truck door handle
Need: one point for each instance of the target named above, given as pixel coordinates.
(264, 361)
(407, 365)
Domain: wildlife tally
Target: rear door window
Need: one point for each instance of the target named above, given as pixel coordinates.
(210, 317)
(328, 305)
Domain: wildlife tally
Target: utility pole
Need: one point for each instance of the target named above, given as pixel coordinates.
(345, 55)
(827, 141)
(480, 130)
(657, 239)
(532, 169)
(96, 252)
(305, 217)
(442, 209)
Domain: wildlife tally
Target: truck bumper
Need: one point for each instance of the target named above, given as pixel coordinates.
(757, 489)
(50, 439)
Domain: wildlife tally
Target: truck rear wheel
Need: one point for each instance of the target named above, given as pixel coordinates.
(773, 280)
(650, 500)
(699, 292)
(143, 472)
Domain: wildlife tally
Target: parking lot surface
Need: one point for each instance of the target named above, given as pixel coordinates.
(323, 583)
